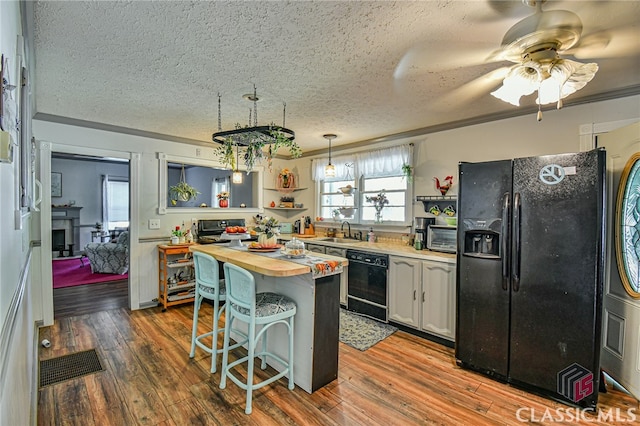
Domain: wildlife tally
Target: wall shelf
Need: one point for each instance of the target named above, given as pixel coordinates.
(428, 201)
(285, 190)
(287, 210)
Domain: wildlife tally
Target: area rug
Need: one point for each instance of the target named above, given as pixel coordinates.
(362, 332)
(72, 272)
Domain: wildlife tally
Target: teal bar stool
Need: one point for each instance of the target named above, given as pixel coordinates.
(208, 286)
(265, 309)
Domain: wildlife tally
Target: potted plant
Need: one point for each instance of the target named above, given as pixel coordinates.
(223, 199)
(268, 230)
(182, 191)
(407, 171)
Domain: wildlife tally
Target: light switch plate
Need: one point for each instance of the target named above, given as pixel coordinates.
(154, 223)
(6, 147)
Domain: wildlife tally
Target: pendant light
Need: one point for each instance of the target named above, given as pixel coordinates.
(237, 174)
(329, 169)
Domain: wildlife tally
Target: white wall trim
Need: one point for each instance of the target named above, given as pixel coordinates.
(9, 322)
(46, 148)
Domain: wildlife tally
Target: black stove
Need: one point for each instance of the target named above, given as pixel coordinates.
(210, 230)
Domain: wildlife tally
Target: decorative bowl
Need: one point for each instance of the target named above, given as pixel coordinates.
(347, 190)
(451, 221)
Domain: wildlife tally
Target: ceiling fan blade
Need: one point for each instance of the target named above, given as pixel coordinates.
(472, 90)
(608, 44)
(441, 56)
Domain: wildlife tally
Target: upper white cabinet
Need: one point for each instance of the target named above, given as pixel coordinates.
(422, 295)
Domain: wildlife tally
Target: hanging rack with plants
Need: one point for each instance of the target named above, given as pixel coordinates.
(182, 191)
(259, 142)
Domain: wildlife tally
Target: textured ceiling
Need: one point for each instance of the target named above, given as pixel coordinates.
(158, 66)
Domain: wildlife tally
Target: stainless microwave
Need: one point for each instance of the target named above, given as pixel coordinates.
(442, 238)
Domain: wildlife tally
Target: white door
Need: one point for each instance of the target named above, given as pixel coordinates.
(620, 355)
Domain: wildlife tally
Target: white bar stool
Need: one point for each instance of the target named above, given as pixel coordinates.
(266, 309)
(208, 286)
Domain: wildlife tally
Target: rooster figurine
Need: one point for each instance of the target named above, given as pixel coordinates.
(444, 188)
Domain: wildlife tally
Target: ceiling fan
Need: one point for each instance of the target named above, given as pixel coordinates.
(535, 45)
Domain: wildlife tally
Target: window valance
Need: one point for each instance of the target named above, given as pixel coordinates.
(378, 163)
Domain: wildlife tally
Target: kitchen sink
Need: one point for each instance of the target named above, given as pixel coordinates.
(339, 240)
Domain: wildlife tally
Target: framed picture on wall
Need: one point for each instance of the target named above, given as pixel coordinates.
(56, 184)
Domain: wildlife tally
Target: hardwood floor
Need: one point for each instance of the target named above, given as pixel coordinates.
(88, 298)
(150, 380)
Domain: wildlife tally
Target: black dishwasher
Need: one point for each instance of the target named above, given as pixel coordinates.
(367, 287)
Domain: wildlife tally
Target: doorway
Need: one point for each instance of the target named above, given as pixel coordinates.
(86, 215)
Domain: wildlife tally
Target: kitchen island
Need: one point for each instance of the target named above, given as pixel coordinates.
(315, 287)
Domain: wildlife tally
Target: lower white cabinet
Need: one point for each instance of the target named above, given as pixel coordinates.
(422, 295)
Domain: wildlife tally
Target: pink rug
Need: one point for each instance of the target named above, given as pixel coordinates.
(70, 272)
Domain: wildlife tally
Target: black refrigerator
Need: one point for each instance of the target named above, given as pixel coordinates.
(530, 270)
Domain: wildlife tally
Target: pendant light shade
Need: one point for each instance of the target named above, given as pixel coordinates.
(329, 169)
(237, 174)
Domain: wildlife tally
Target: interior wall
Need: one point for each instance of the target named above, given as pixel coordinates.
(436, 154)
(17, 322)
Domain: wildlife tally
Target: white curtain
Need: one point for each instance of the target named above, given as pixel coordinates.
(384, 162)
(105, 201)
(379, 163)
(340, 162)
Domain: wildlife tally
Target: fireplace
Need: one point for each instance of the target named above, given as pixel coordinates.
(58, 239)
(65, 229)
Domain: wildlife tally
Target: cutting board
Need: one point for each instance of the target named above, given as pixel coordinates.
(304, 235)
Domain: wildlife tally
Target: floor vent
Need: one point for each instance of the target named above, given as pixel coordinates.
(66, 367)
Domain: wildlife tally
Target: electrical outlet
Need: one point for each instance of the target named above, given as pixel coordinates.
(198, 152)
(154, 223)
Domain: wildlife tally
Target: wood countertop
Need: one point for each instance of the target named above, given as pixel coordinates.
(256, 263)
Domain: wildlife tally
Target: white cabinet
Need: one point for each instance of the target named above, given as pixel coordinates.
(405, 286)
(422, 295)
(344, 277)
(317, 248)
(439, 298)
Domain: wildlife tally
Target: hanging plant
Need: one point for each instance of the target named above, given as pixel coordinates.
(407, 171)
(182, 191)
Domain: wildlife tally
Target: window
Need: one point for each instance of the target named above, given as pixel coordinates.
(116, 200)
(334, 203)
(394, 188)
(379, 172)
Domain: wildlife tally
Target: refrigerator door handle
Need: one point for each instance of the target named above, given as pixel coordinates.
(516, 237)
(504, 246)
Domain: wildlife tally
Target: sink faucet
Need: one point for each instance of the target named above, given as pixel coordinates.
(348, 229)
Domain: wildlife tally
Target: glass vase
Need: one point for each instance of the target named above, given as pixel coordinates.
(378, 218)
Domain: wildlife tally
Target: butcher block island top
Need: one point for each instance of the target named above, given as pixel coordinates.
(261, 264)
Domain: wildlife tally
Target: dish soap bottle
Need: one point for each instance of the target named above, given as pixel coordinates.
(371, 237)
